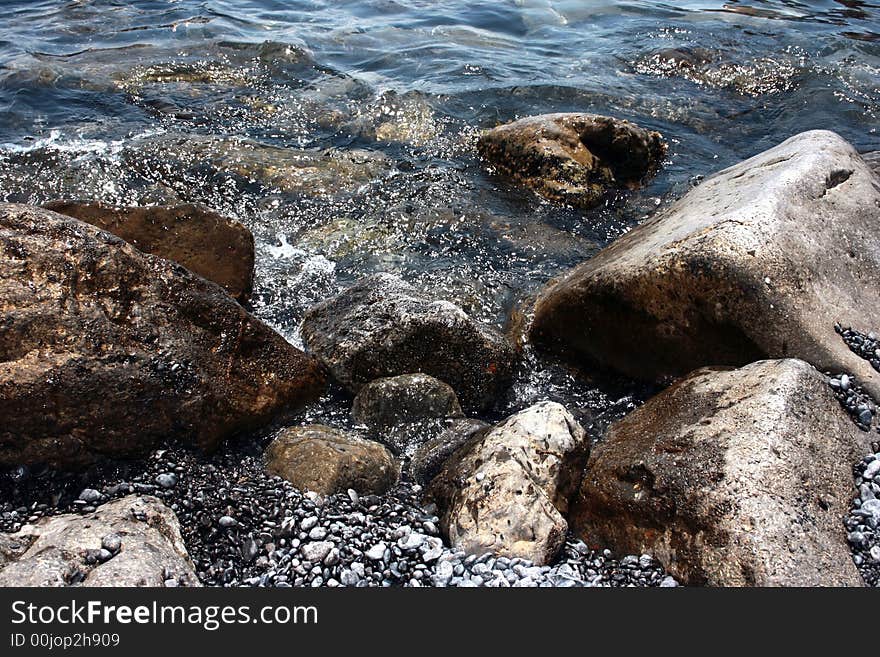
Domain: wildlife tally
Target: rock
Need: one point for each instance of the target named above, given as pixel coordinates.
(508, 491)
(53, 552)
(383, 327)
(377, 552)
(99, 339)
(758, 261)
(404, 118)
(310, 172)
(204, 242)
(316, 551)
(872, 159)
(573, 158)
(402, 399)
(167, 480)
(90, 495)
(730, 478)
(429, 458)
(756, 76)
(327, 460)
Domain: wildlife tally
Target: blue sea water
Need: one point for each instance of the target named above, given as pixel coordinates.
(341, 132)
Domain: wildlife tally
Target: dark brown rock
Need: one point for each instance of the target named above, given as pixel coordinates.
(382, 327)
(326, 460)
(105, 350)
(204, 242)
(730, 478)
(403, 399)
(759, 261)
(573, 158)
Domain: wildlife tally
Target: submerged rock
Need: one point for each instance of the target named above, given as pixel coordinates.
(327, 460)
(404, 118)
(730, 478)
(133, 541)
(403, 399)
(105, 350)
(508, 491)
(312, 172)
(204, 242)
(760, 260)
(748, 76)
(573, 158)
(382, 327)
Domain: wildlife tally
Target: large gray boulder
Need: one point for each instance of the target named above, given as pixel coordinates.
(133, 541)
(730, 478)
(327, 460)
(758, 261)
(573, 158)
(105, 350)
(382, 327)
(204, 242)
(508, 491)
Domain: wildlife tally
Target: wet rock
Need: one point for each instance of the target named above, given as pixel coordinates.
(508, 492)
(326, 460)
(730, 478)
(573, 158)
(404, 118)
(99, 338)
(322, 173)
(760, 260)
(873, 161)
(383, 327)
(429, 457)
(148, 548)
(204, 242)
(403, 399)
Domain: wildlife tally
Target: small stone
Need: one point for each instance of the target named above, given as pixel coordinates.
(432, 549)
(412, 542)
(443, 573)
(111, 543)
(167, 480)
(377, 552)
(349, 578)
(90, 496)
(249, 550)
(316, 551)
(227, 522)
(332, 557)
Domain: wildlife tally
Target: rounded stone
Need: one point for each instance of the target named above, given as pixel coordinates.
(390, 401)
(326, 460)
